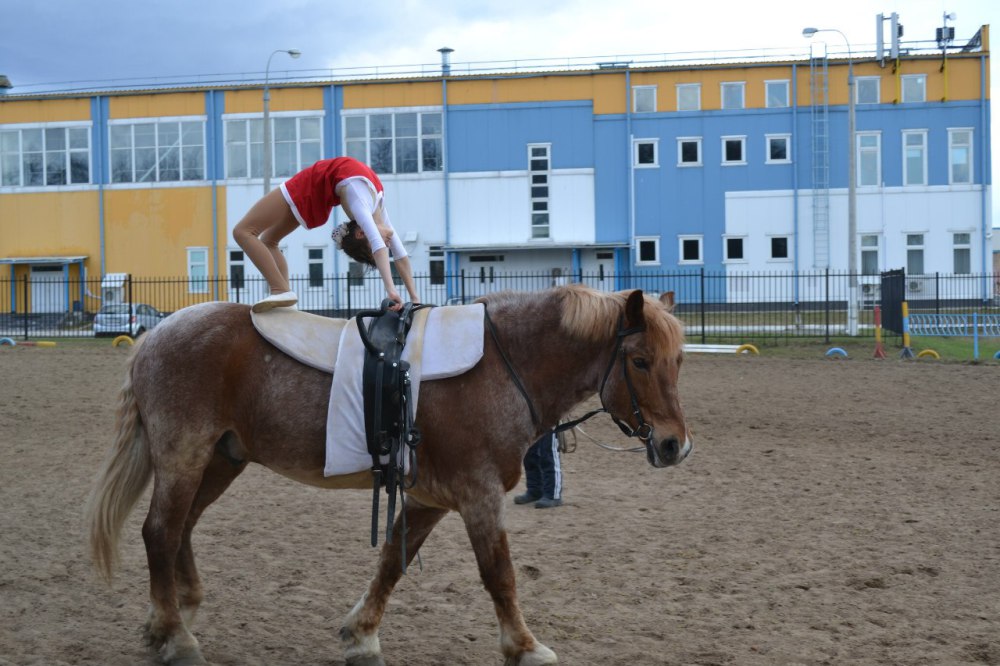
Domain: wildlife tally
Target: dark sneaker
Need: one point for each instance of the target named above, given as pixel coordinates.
(547, 503)
(526, 498)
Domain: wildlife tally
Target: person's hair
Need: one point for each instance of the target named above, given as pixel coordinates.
(358, 249)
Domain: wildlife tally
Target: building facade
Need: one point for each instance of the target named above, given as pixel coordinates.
(619, 170)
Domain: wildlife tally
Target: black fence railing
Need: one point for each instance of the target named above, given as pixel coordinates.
(715, 306)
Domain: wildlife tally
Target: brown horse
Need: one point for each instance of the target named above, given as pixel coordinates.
(205, 395)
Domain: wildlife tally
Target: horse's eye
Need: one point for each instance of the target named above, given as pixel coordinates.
(640, 363)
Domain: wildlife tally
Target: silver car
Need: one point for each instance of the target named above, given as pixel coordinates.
(120, 319)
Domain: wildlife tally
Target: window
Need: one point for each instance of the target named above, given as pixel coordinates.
(732, 95)
(689, 151)
(734, 150)
(915, 88)
(315, 264)
(734, 248)
(645, 153)
(776, 94)
(690, 249)
(959, 156)
(355, 274)
(915, 254)
(197, 263)
(869, 159)
(44, 155)
(778, 148)
(689, 97)
(962, 252)
(779, 247)
(408, 142)
(869, 254)
(647, 250)
(539, 165)
(643, 99)
(157, 151)
(436, 253)
(296, 142)
(237, 269)
(867, 89)
(914, 157)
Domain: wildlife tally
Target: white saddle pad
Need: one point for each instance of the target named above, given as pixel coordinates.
(443, 342)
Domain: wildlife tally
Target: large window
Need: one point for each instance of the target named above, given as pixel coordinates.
(688, 96)
(409, 142)
(689, 151)
(914, 157)
(647, 250)
(915, 254)
(732, 94)
(959, 156)
(237, 269)
(157, 151)
(197, 263)
(776, 94)
(867, 89)
(869, 159)
(539, 167)
(869, 254)
(296, 142)
(315, 264)
(44, 155)
(436, 254)
(734, 150)
(962, 252)
(645, 153)
(778, 148)
(915, 88)
(643, 99)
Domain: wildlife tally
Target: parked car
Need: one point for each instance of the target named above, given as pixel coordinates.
(119, 319)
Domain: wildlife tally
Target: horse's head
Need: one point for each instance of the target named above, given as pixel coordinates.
(639, 388)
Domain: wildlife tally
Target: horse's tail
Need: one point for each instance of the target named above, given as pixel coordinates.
(120, 483)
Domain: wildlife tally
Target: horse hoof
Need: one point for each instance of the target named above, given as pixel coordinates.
(366, 660)
(540, 656)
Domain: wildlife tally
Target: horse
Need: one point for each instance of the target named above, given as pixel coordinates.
(205, 395)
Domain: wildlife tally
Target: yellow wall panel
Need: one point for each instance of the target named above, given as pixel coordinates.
(45, 111)
(610, 95)
(50, 223)
(388, 95)
(148, 231)
(161, 105)
(282, 99)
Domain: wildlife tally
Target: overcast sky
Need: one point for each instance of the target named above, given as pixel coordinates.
(49, 44)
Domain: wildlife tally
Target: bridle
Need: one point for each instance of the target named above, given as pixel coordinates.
(644, 431)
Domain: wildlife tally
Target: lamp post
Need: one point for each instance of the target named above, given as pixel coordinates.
(295, 53)
(852, 193)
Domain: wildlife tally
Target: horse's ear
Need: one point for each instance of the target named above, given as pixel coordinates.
(635, 317)
(667, 298)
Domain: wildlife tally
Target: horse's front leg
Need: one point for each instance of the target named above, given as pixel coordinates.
(360, 630)
(483, 522)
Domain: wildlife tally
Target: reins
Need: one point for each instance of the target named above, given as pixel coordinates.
(644, 431)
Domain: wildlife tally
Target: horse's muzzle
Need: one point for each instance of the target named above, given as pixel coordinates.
(667, 452)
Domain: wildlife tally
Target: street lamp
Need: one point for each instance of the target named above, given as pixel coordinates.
(295, 53)
(852, 193)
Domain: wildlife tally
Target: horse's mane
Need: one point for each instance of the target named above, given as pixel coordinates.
(592, 315)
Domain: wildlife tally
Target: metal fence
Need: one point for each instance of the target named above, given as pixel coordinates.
(715, 306)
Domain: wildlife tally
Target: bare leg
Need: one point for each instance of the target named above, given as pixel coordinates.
(489, 540)
(259, 233)
(360, 630)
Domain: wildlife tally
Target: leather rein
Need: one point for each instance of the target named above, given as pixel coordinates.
(644, 431)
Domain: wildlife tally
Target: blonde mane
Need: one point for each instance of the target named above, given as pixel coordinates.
(593, 315)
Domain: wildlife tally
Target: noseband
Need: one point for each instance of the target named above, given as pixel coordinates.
(644, 431)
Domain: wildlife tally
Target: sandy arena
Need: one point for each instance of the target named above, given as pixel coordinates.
(832, 512)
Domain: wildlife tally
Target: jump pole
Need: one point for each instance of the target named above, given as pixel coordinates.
(907, 352)
(879, 350)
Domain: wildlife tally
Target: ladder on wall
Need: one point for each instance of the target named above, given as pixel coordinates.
(819, 97)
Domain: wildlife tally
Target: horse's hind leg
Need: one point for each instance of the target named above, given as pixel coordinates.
(219, 474)
(178, 478)
(360, 631)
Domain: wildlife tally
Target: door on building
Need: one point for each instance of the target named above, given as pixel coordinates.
(48, 289)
